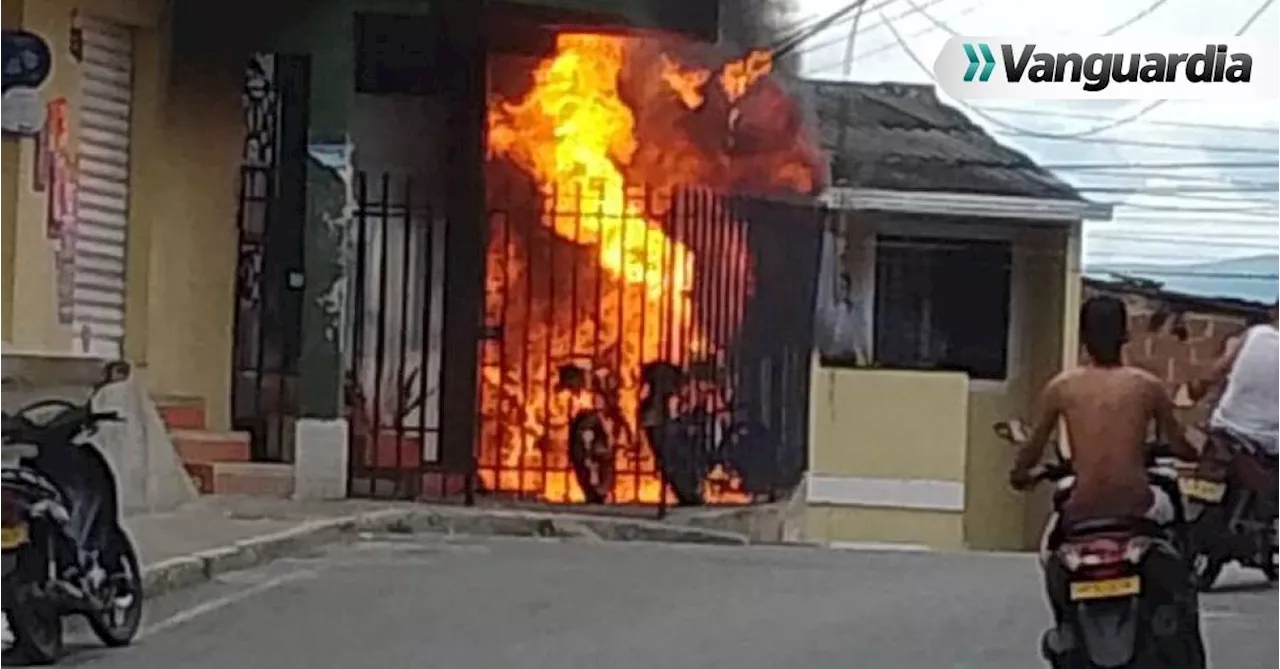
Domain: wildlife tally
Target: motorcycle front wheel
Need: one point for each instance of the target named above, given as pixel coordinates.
(591, 454)
(116, 624)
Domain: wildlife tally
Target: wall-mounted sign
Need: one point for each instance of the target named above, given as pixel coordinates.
(27, 62)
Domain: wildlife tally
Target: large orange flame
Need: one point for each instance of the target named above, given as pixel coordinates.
(574, 135)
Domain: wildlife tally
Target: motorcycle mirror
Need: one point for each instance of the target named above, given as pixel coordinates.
(112, 372)
(1013, 430)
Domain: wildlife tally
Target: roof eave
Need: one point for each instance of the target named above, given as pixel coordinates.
(1064, 210)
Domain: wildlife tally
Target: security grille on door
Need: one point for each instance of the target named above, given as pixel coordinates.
(102, 197)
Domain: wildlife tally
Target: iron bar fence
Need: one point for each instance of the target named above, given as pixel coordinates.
(639, 346)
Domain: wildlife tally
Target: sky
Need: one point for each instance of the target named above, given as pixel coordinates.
(1163, 214)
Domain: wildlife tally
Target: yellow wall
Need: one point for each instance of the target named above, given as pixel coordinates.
(886, 427)
(182, 228)
(935, 444)
(10, 17)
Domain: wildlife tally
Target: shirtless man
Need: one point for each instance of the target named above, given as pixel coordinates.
(1107, 408)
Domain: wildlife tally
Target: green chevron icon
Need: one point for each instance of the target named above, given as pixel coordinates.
(988, 61)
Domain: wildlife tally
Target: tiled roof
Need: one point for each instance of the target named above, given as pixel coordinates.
(902, 137)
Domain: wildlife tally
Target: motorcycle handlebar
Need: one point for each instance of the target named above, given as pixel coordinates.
(19, 428)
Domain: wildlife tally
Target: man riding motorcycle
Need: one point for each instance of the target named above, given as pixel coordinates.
(1247, 415)
(1106, 408)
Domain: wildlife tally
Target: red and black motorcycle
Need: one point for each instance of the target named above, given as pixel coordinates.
(1119, 587)
(1230, 500)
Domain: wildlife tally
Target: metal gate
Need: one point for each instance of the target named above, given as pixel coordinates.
(395, 342)
(646, 347)
(269, 271)
(102, 188)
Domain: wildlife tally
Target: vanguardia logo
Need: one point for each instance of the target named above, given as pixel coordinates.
(1095, 72)
(988, 62)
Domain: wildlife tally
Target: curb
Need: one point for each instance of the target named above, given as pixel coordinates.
(189, 570)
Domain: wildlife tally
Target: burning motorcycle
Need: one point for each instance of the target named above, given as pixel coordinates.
(691, 428)
(1119, 587)
(596, 427)
(64, 549)
(1229, 515)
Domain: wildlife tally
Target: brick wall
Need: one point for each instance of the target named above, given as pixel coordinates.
(1181, 349)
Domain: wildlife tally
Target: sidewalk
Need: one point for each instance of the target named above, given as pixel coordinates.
(217, 534)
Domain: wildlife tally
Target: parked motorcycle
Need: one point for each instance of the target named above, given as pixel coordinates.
(595, 430)
(1119, 587)
(690, 441)
(64, 550)
(1228, 515)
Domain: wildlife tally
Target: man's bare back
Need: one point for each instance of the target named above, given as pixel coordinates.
(1106, 411)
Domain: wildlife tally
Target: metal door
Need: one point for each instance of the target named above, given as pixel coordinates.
(102, 188)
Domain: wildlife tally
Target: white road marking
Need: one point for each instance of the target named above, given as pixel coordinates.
(207, 607)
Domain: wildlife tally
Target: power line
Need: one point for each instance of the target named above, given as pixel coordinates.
(1109, 228)
(1097, 117)
(1172, 190)
(1151, 144)
(1189, 274)
(1180, 165)
(879, 7)
(789, 44)
(1178, 177)
(1198, 243)
(1135, 18)
(920, 9)
(1255, 209)
(885, 47)
(1114, 123)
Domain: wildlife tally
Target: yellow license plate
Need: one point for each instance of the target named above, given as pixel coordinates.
(1115, 587)
(1200, 489)
(12, 537)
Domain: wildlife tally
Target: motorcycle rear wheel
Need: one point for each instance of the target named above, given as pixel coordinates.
(117, 625)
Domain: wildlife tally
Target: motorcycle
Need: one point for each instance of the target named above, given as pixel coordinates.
(594, 430)
(64, 550)
(691, 440)
(1119, 587)
(1228, 515)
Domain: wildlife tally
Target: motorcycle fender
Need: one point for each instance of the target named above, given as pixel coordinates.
(1109, 630)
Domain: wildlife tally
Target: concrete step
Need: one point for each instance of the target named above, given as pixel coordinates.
(195, 446)
(258, 479)
(181, 413)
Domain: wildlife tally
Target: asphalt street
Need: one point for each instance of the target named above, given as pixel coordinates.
(418, 602)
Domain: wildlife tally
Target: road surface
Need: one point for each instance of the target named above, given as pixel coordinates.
(421, 602)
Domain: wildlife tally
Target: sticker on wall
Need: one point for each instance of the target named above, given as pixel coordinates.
(27, 63)
(60, 164)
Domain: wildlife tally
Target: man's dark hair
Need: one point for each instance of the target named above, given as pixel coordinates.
(1104, 324)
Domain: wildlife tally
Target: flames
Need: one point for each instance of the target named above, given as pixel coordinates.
(608, 122)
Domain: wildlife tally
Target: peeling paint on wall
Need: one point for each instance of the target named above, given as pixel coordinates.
(331, 300)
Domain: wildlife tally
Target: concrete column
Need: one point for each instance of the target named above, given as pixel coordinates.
(321, 448)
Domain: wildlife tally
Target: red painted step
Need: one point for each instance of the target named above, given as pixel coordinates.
(208, 446)
(182, 413)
